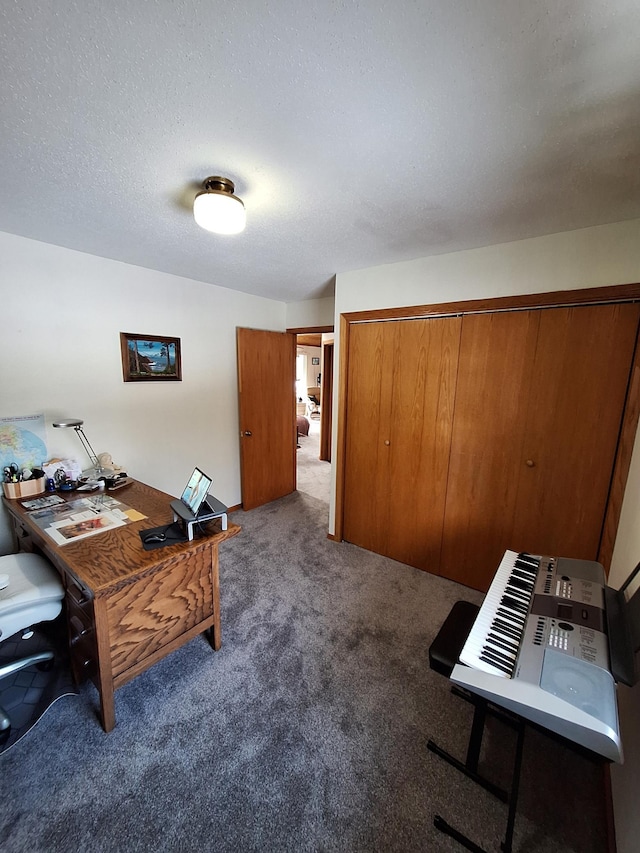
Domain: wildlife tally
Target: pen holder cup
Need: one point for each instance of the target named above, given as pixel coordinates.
(25, 489)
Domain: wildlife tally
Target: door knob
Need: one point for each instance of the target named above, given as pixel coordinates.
(248, 432)
(530, 463)
(387, 442)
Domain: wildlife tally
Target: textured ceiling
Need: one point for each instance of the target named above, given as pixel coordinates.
(357, 133)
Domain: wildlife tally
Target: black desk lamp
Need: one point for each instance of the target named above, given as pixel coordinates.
(77, 425)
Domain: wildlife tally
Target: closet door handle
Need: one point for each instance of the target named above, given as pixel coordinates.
(387, 442)
(530, 463)
(248, 433)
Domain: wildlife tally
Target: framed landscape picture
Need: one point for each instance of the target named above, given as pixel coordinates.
(150, 358)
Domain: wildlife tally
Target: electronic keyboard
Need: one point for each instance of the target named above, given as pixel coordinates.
(539, 647)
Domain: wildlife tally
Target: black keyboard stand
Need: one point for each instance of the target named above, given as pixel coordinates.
(470, 767)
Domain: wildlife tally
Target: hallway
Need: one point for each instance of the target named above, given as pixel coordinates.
(314, 475)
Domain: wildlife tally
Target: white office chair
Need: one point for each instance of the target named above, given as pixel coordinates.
(30, 592)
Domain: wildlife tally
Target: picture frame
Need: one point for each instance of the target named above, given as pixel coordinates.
(315, 360)
(150, 358)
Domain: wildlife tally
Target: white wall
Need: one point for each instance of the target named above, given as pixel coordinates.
(312, 369)
(310, 313)
(591, 257)
(63, 312)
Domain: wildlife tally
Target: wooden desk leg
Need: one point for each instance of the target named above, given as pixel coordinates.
(105, 678)
(215, 636)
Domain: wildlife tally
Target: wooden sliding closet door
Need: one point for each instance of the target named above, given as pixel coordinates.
(496, 355)
(366, 489)
(583, 358)
(538, 412)
(402, 378)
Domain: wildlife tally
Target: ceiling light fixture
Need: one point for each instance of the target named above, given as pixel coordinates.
(217, 209)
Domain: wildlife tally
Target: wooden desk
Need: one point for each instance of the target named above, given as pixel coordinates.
(127, 608)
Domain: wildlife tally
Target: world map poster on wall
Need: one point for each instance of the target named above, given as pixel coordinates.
(23, 441)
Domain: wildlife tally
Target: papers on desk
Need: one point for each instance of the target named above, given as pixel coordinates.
(41, 503)
(75, 520)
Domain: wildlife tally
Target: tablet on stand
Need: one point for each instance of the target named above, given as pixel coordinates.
(210, 509)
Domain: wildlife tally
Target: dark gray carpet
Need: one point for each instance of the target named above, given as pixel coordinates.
(306, 732)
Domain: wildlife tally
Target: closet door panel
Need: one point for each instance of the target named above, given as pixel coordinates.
(583, 357)
(424, 379)
(366, 492)
(495, 362)
(467, 436)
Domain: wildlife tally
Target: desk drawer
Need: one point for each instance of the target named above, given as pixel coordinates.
(84, 657)
(80, 625)
(23, 537)
(77, 594)
(83, 647)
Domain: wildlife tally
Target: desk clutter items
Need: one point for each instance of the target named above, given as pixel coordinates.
(102, 465)
(42, 503)
(22, 483)
(73, 520)
(65, 475)
(22, 452)
(117, 482)
(63, 472)
(107, 465)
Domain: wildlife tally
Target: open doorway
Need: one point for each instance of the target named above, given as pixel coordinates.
(313, 413)
(268, 435)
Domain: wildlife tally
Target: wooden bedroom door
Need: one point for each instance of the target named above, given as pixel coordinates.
(533, 447)
(402, 378)
(266, 393)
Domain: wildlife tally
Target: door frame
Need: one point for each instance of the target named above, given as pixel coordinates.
(525, 302)
(326, 401)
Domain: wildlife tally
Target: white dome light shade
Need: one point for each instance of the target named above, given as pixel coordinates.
(217, 209)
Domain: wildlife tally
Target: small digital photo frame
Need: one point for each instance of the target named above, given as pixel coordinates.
(196, 491)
